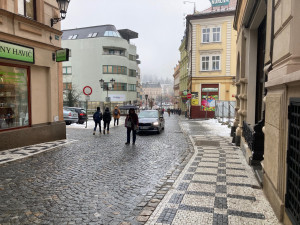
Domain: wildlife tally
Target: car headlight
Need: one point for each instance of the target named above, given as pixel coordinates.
(155, 123)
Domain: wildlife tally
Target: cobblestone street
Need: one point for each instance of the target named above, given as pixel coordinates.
(92, 179)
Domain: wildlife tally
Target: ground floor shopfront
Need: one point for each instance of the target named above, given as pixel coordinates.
(206, 91)
(30, 99)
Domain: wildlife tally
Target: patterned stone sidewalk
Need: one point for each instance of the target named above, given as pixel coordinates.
(216, 187)
(27, 151)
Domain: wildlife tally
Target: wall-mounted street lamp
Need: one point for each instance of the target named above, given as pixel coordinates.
(63, 7)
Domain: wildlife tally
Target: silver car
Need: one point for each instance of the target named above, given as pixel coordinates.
(70, 117)
(151, 120)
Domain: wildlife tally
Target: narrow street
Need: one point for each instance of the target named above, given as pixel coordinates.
(93, 179)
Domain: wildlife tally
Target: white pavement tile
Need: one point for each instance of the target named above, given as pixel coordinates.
(192, 218)
(202, 187)
(205, 178)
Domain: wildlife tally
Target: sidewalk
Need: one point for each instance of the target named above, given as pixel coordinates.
(216, 187)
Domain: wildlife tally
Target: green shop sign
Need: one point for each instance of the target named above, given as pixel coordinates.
(62, 55)
(16, 52)
(219, 2)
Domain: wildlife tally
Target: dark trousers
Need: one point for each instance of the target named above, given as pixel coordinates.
(133, 135)
(106, 124)
(116, 119)
(96, 124)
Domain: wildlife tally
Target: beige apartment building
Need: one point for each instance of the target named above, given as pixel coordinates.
(268, 98)
(30, 77)
(176, 76)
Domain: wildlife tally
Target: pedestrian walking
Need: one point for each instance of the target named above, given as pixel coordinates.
(97, 119)
(169, 111)
(132, 124)
(116, 115)
(106, 120)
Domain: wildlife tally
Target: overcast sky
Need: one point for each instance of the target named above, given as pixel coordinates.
(158, 22)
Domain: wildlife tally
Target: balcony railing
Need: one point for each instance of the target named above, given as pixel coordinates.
(255, 139)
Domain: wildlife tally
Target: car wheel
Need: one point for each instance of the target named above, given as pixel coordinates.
(158, 131)
(68, 123)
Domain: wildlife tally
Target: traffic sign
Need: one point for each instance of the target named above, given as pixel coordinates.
(189, 96)
(87, 90)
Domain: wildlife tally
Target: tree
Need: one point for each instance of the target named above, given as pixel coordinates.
(71, 97)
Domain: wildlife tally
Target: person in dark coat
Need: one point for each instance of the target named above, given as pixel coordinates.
(97, 119)
(106, 120)
(132, 124)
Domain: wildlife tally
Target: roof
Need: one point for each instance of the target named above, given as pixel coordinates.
(98, 31)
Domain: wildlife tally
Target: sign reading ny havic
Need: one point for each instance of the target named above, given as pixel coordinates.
(219, 2)
(16, 52)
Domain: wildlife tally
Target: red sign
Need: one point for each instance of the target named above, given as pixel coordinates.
(87, 90)
(189, 96)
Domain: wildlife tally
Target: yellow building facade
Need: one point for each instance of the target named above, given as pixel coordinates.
(211, 46)
(184, 78)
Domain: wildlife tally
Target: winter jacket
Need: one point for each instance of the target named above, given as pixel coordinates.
(134, 119)
(97, 116)
(116, 116)
(106, 116)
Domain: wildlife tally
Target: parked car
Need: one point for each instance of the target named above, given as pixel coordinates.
(82, 116)
(70, 117)
(151, 120)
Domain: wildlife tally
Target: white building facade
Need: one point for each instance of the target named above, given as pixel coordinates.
(101, 52)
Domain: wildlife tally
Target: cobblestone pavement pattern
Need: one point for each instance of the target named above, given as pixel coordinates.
(216, 186)
(94, 180)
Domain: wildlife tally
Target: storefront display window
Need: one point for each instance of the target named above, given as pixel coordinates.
(209, 96)
(14, 105)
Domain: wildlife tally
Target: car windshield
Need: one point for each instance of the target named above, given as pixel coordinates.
(148, 114)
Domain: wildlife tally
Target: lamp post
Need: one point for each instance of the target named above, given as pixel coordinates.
(191, 2)
(63, 7)
(146, 97)
(107, 88)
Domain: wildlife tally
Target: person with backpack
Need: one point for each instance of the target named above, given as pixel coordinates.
(106, 120)
(132, 124)
(116, 115)
(97, 119)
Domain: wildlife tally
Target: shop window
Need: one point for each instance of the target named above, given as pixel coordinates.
(27, 8)
(14, 104)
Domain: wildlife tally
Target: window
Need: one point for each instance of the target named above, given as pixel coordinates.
(92, 35)
(132, 73)
(112, 34)
(215, 62)
(216, 34)
(211, 63)
(117, 86)
(67, 70)
(132, 57)
(114, 69)
(205, 35)
(131, 87)
(72, 37)
(27, 8)
(108, 51)
(14, 102)
(205, 63)
(67, 86)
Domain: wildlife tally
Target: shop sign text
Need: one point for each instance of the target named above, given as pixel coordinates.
(16, 52)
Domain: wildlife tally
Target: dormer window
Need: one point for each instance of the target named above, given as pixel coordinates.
(92, 35)
(72, 37)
